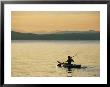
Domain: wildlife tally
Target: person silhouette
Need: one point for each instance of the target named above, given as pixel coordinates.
(69, 60)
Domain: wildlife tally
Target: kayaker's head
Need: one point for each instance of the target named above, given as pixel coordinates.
(69, 57)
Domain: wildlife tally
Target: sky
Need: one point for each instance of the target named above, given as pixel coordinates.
(54, 21)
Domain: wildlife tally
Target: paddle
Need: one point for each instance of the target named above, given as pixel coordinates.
(58, 61)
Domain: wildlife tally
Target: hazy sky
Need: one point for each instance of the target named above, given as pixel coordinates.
(45, 22)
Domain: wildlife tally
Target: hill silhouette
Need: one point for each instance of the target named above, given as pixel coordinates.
(64, 35)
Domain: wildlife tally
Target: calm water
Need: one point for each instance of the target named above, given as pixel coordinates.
(39, 58)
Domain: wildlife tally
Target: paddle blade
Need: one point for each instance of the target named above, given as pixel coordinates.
(58, 61)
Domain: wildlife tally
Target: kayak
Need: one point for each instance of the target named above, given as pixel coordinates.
(71, 66)
(65, 65)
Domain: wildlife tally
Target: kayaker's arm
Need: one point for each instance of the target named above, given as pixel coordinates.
(72, 60)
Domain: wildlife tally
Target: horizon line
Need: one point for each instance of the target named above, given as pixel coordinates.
(55, 31)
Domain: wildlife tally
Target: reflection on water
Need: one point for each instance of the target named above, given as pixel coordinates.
(39, 58)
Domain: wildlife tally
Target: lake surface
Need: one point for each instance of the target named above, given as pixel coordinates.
(39, 58)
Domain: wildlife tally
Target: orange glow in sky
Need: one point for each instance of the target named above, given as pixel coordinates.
(46, 22)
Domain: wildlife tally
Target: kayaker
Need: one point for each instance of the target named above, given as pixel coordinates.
(70, 60)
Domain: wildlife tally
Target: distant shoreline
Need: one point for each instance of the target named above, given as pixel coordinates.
(87, 35)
